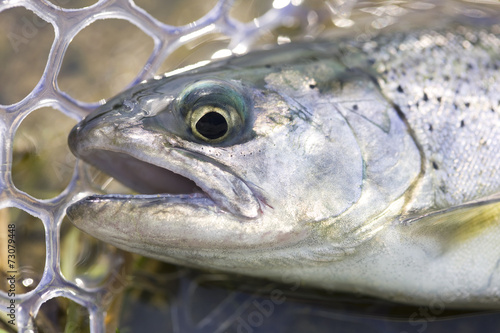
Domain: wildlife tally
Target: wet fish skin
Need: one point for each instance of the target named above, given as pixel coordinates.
(354, 166)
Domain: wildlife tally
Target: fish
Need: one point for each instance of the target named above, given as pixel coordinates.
(360, 166)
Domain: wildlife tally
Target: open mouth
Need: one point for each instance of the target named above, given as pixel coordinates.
(140, 176)
(176, 174)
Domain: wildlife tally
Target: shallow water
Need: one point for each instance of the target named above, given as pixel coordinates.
(102, 60)
(205, 302)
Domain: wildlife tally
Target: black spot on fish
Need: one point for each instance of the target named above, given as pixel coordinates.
(462, 123)
(467, 104)
(439, 99)
(455, 106)
(435, 166)
(312, 86)
(470, 66)
(430, 128)
(426, 98)
(442, 188)
(355, 107)
(417, 104)
(400, 89)
(446, 78)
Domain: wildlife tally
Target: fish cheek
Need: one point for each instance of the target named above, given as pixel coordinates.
(305, 173)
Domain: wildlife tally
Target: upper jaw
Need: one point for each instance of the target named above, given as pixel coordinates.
(149, 151)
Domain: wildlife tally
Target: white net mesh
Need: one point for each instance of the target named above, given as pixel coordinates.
(227, 28)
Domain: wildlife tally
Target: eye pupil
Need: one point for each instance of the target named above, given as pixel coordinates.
(212, 125)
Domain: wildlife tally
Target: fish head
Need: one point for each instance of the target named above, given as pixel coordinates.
(231, 162)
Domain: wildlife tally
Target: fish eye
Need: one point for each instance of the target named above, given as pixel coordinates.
(210, 123)
(214, 110)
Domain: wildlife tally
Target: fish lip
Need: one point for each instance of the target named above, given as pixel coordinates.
(199, 199)
(119, 196)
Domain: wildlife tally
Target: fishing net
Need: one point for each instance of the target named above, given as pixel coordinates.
(179, 34)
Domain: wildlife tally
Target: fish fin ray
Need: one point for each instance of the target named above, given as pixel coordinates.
(459, 223)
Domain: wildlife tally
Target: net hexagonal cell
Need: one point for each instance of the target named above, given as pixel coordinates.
(25, 41)
(42, 163)
(62, 315)
(103, 59)
(22, 237)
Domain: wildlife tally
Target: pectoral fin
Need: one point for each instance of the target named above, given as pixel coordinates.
(458, 224)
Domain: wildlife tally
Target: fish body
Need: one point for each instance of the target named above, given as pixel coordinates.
(367, 167)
